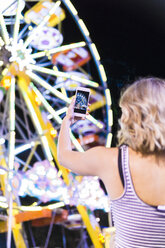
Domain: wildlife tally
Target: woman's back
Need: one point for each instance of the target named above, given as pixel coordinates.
(138, 224)
(148, 176)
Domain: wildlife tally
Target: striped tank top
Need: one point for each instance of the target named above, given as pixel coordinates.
(137, 223)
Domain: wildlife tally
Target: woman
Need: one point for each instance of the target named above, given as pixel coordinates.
(134, 173)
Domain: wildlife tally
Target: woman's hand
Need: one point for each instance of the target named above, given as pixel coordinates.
(70, 112)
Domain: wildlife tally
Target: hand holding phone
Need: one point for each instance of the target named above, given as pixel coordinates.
(81, 101)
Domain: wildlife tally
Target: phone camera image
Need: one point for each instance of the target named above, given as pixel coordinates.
(81, 102)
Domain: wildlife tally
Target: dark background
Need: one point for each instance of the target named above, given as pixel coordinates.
(130, 38)
(130, 32)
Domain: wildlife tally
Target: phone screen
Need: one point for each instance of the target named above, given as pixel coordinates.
(81, 102)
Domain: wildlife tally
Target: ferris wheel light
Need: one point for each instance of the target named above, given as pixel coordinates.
(3, 199)
(22, 148)
(46, 147)
(102, 71)
(2, 141)
(53, 132)
(56, 205)
(46, 104)
(84, 81)
(1, 42)
(58, 49)
(2, 172)
(6, 82)
(30, 28)
(30, 208)
(3, 205)
(72, 8)
(108, 97)
(83, 27)
(95, 51)
(109, 140)
(4, 72)
(110, 117)
(37, 100)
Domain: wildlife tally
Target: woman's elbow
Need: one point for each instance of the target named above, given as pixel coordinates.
(59, 156)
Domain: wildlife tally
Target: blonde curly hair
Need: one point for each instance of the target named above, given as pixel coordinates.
(143, 116)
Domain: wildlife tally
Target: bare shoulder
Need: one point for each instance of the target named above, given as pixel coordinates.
(105, 153)
(109, 172)
(105, 158)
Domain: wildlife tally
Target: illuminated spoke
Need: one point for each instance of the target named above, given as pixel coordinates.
(47, 86)
(12, 124)
(94, 121)
(22, 148)
(25, 147)
(75, 142)
(19, 160)
(25, 115)
(17, 23)
(36, 121)
(11, 156)
(6, 106)
(4, 30)
(57, 49)
(47, 105)
(34, 145)
(64, 75)
(58, 112)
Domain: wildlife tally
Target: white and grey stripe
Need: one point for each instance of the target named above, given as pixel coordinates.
(138, 225)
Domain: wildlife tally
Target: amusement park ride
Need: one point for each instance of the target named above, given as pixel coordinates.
(45, 53)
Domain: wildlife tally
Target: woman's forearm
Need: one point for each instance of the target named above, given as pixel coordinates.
(64, 142)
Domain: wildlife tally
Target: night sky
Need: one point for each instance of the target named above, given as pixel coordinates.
(130, 32)
(130, 38)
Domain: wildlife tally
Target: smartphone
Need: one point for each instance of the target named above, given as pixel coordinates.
(81, 101)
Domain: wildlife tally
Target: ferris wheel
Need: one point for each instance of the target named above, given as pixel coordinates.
(45, 53)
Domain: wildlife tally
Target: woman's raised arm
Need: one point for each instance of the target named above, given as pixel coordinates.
(90, 162)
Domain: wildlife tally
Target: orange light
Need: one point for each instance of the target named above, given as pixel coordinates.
(53, 132)
(37, 100)
(6, 82)
(101, 238)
